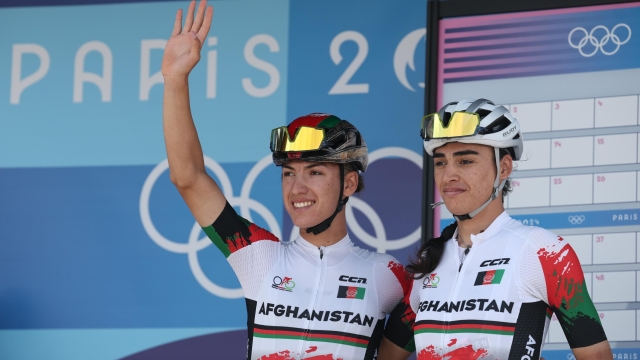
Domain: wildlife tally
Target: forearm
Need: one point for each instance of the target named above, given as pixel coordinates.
(391, 351)
(186, 161)
(599, 351)
(184, 152)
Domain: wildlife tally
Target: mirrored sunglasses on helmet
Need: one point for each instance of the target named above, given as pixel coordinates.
(305, 139)
(461, 124)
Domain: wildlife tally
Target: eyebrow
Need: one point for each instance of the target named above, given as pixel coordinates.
(457, 153)
(311, 166)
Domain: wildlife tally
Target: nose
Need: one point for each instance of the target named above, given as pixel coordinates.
(298, 186)
(450, 173)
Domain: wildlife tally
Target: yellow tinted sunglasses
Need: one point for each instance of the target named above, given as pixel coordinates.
(305, 139)
(461, 124)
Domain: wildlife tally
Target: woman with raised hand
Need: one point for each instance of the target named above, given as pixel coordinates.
(318, 296)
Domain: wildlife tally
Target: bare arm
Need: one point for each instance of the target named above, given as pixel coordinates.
(391, 351)
(186, 161)
(599, 351)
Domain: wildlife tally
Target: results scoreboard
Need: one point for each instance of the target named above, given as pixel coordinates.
(572, 79)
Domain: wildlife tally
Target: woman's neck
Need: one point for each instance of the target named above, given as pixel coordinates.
(479, 223)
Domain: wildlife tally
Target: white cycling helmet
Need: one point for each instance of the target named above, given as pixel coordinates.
(474, 122)
(496, 127)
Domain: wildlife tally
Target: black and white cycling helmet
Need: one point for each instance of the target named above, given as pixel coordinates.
(474, 121)
(320, 137)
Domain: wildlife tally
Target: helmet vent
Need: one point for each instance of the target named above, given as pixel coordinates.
(339, 139)
(498, 124)
(483, 113)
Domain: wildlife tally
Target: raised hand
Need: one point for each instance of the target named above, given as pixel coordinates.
(182, 52)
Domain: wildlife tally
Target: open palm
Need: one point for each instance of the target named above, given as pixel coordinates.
(182, 52)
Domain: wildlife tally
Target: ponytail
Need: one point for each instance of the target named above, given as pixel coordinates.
(430, 253)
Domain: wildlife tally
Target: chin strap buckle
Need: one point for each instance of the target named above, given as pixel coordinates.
(435, 205)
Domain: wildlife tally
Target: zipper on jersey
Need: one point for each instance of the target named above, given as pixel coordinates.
(453, 294)
(319, 282)
(466, 252)
(448, 315)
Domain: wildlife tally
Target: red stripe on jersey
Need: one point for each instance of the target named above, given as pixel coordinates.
(563, 275)
(465, 326)
(258, 233)
(308, 335)
(403, 277)
(408, 315)
(337, 337)
(238, 241)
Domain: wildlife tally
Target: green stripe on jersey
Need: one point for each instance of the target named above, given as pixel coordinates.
(301, 337)
(468, 330)
(217, 240)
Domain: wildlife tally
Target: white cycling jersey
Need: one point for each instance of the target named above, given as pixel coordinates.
(305, 302)
(497, 304)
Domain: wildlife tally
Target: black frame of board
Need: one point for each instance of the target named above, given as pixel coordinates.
(437, 10)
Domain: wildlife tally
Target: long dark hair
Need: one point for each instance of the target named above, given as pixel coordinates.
(430, 253)
(428, 256)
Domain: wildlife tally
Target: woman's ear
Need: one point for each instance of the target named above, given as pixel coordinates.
(506, 166)
(350, 183)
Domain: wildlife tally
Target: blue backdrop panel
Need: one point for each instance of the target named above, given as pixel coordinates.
(50, 124)
(99, 256)
(364, 61)
(75, 253)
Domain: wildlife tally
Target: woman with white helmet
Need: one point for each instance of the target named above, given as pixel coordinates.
(488, 286)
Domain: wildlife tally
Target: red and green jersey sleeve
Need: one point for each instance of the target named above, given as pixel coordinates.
(399, 327)
(231, 232)
(567, 294)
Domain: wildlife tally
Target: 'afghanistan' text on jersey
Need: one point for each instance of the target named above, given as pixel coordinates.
(498, 304)
(309, 302)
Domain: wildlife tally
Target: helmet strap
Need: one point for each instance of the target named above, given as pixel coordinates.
(315, 230)
(497, 187)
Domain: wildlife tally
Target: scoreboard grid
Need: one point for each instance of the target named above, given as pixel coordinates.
(579, 176)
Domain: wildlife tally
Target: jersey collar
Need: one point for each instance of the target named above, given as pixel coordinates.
(497, 225)
(492, 230)
(344, 243)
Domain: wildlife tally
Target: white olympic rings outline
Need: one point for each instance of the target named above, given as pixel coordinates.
(576, 219)
(599, 45)
(380, 240)
(246, 204)
(194, 244)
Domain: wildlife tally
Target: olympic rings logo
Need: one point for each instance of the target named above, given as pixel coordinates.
(588, 37)
(576, 219)
(378, 240)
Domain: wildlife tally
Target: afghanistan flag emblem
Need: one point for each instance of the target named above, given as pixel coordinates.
(489, 277)
(351, 292)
